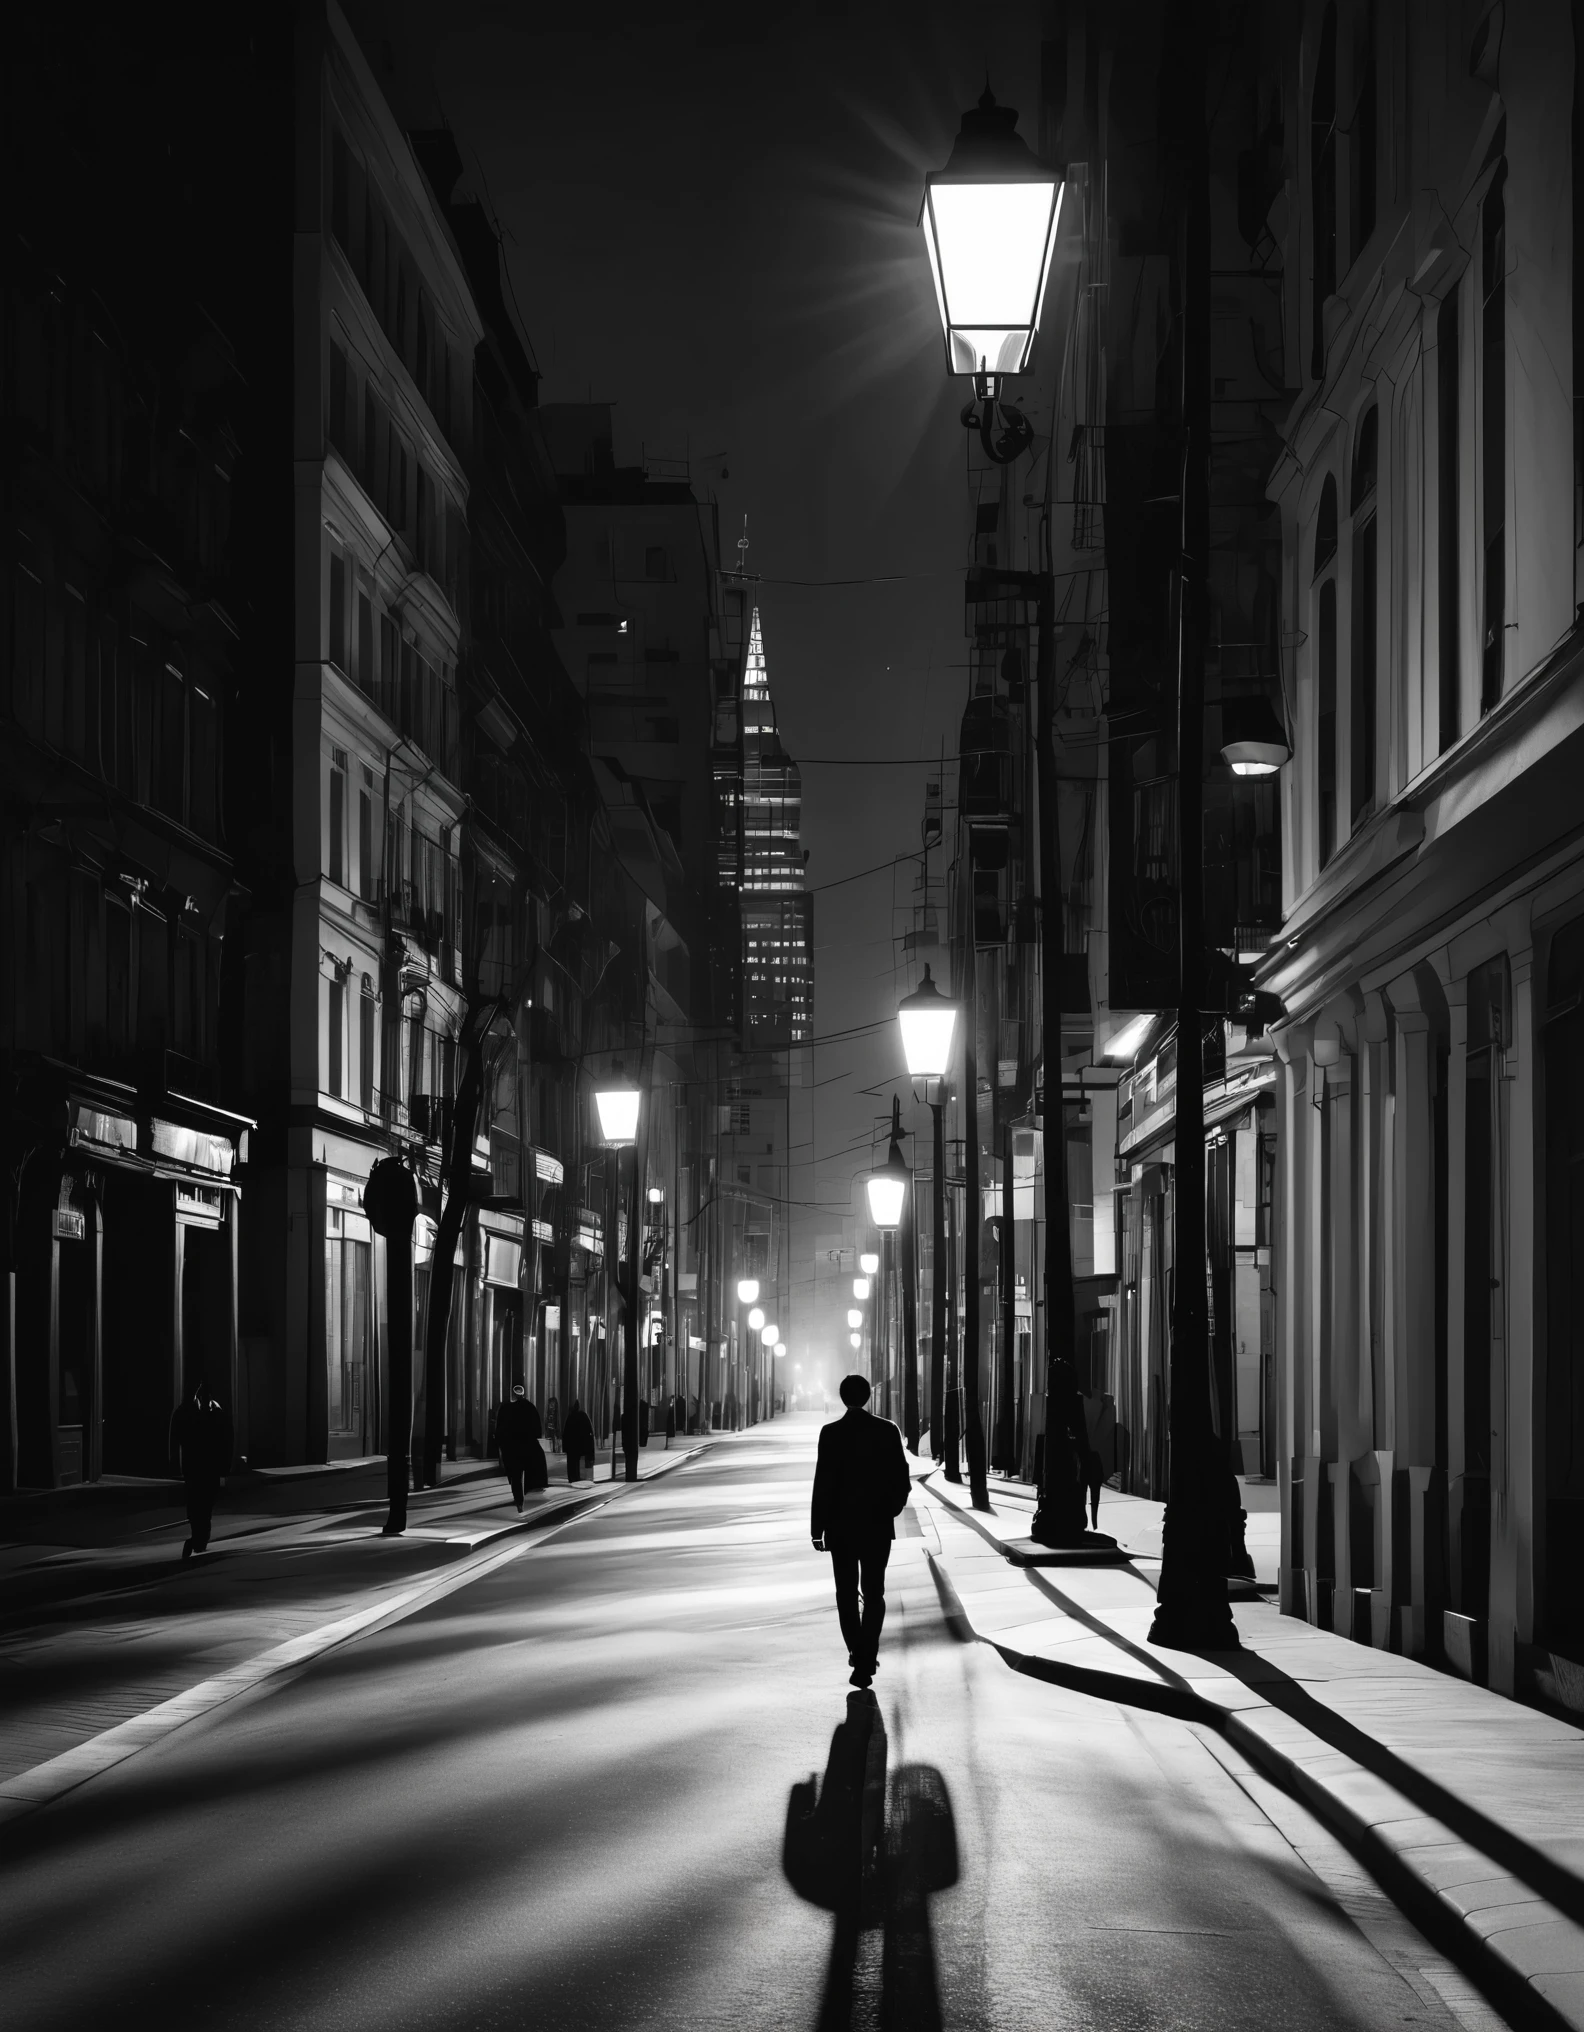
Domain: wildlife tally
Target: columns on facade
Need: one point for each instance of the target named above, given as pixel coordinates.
(1457, 1166)
(1289, 1244)
(1418, 1581)
(1517, 1418)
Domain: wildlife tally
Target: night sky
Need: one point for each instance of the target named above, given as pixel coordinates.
(710, 218)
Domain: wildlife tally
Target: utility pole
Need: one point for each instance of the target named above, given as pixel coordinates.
(1191, 1608)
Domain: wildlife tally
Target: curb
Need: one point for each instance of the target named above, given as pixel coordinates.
(1500, 1980)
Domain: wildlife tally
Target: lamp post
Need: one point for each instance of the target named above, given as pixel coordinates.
(618, 1102)
(747, 1292)
(887, 1191)
(928, 1022)
(990, 219)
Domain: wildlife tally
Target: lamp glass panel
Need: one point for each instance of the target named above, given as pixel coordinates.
(927, 1040)
(860, 1287)
(748, 1289)
(869, 1262)
(886, 1193)
(756, 1319)
(854, 1316)
(990, 243)
(618, 1113)
(855, 1340)
(770, 1334)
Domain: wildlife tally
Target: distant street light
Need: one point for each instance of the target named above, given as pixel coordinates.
(928, 1023)
(869, 1262)
(854, 1316)
(617, 1100)
(656, 1195)
(748, 1289)
(861, 1287)
(756, 1319)
(855, 1340)
(770, 1334)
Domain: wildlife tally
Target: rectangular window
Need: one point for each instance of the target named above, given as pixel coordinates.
(118, 976)
(170, 787)
(366, 471)
(203, 802)
(385, 683)
(1447, 455)
(335, 1044)
(27, 650)
(367, 872)
(366, 1049)
(340, 412)
(337, 860)
(1325, 707)
(75, 716)
(1362, 741)
(364, 661)
(1493, 238)
(338, 609)
(340, 191)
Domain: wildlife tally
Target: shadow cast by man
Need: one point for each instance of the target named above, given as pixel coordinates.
(872, 1849)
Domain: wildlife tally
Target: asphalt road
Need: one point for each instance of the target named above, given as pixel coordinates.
(560, 1798)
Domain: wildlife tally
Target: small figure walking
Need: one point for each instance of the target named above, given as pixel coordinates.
(553, 1423)
(200, 1446)
(518, 1430)
(861, 1487)
(578, 1437)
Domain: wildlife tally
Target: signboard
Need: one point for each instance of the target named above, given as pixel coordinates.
(192, 1146)
(552, 1315)
(547, 1169)
(67, 1224)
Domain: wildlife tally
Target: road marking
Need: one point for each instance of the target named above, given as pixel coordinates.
(29, 1790)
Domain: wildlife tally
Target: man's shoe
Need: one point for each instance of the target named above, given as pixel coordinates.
(861, 1678)
(187, 1548)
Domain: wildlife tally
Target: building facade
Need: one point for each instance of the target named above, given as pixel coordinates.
(1428, 485)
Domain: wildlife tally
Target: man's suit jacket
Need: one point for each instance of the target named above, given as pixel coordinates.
(861, 1482)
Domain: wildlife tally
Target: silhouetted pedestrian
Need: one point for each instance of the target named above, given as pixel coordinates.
(861, 1486)
(518, 1430)
(578, 1438)
(200, 1445)
(1094, 1469)
(553, 1423)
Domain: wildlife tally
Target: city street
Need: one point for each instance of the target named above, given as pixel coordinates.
(559, 1796)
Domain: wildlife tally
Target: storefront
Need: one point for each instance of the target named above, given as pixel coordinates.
(126, 1258)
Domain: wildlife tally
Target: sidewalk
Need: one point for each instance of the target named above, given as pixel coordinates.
(93, 1638)
(1466, 1807)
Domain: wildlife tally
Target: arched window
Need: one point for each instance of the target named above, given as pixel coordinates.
(1323, 182)
(1325, 628)
(1366, 581)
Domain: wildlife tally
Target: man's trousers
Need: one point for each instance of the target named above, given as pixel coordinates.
(859, 1566)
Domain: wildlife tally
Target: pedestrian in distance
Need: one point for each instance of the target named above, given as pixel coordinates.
(200, 1447)
(861, 1486)
(578, 1438)
(518, 1430)
(553, 1423)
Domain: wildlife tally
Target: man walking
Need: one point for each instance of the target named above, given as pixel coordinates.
(861, 1485)
(517, 1431)
(200, 1445)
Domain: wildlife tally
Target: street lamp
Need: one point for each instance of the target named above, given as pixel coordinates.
(854, 1316)
(887, 1191)
(928, 1023)
(756, 1319)
(748, 1289)
(770, 1334)
(1253, 741)
(861, 1287)
(990, 219)
(618, 1099)
(855, 1340)
(868, 1263)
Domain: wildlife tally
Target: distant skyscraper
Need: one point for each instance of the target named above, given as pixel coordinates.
(777, 910)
